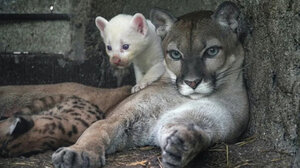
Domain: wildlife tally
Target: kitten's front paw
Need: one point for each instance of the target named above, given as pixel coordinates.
(68, 157)
(181, 146)
(139, 86)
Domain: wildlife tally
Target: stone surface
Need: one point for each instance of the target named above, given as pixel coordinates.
(34, 36)
(272, 73)
(52, 37)
(34, 6)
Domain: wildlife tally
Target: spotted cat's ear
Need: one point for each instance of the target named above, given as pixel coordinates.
(19, 125)
(101, 24)
(139, 23)
(162, 20)
(228, 15)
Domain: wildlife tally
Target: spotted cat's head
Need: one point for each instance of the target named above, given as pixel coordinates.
(125, 37)
(201, 48)
(10, 129)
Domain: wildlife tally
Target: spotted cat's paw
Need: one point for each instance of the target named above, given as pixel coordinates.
(182, 144)
(71, 157)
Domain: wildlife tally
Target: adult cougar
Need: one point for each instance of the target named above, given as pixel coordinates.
(199, 101)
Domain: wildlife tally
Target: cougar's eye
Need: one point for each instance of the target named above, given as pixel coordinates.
(109, 47)
(212, 51)
(175, 55)
(125, 46)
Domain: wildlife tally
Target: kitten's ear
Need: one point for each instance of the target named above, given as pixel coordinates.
(101, 24)
(228, 15)
(20, 125)
(139, 23)
(162, 20)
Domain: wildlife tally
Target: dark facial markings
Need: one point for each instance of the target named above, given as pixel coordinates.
(196, 44)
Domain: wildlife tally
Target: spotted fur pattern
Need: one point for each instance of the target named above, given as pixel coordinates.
(63, 121)
(42, 104)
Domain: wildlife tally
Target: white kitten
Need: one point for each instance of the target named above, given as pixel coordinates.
(132, 39)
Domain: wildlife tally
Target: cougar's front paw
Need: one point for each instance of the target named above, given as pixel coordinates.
(68, 157)
(139, 86)
(181, 145)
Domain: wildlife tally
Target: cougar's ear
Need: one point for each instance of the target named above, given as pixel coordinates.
(20, 125)
(162, 20)
(228, 15)
(101, 24)
(139, 23)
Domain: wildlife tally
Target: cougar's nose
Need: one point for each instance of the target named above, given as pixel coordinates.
(193, 84)
(116, 60)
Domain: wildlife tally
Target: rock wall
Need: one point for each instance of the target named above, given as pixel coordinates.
(34, 36)
(273, 69)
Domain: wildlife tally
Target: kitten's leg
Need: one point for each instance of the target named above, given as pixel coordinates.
(138, 73)
(153, 74)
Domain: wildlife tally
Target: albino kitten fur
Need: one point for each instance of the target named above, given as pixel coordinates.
(132, 39)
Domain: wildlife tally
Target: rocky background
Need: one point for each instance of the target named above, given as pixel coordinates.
(71, 50)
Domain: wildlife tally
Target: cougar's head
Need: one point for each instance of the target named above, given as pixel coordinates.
(201, 48)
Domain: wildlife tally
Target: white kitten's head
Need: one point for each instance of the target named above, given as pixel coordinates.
(125, 37)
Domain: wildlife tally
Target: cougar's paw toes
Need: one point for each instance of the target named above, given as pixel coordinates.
(67, 157)
(179, 146)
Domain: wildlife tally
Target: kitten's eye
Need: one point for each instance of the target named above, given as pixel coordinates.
(175, 55)
(125, 46)
(109, 47)
(212, 51)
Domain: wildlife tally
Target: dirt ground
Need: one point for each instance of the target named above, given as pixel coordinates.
(249, 152)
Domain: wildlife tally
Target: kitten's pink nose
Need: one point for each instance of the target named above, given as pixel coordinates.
(116, 60)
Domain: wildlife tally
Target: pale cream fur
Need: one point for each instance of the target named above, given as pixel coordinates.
(144, 49)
